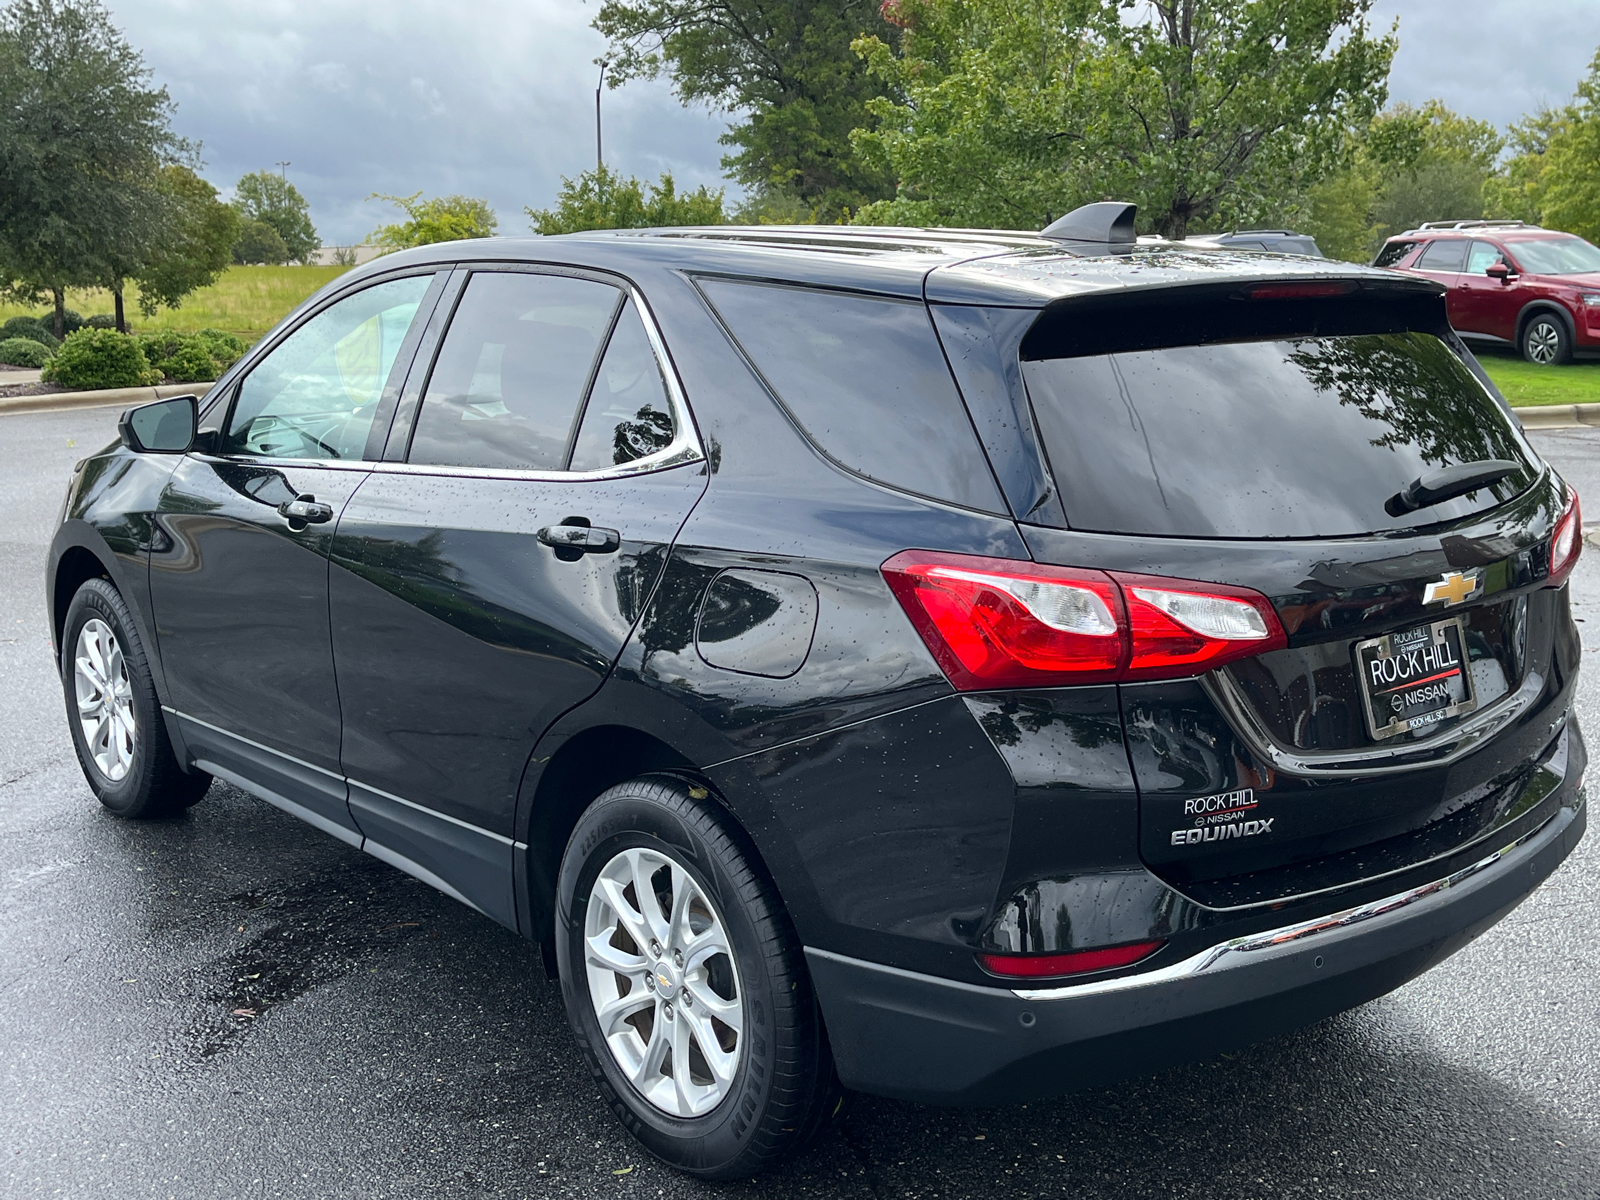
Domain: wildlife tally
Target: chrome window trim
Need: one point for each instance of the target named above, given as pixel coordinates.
(685, 447)
(1209, 959)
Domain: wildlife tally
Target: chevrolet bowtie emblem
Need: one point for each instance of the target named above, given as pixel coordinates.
(1453, 587)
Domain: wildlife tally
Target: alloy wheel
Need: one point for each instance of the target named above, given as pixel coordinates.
(1543, 342)
(105, 700)
(663, 982)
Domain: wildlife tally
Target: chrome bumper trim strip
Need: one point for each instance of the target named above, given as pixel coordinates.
(1208, 960)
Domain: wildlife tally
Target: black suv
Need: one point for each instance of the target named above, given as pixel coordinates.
(957, 666)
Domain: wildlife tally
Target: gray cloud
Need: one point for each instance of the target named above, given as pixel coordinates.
(496, 98)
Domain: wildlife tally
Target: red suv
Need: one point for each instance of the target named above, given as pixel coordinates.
(1509, 283)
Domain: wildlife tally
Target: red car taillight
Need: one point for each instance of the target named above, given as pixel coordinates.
(1000, 623)
(1565, 542)
(1076, 962)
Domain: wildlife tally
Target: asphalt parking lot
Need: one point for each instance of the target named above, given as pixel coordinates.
(230, 1004)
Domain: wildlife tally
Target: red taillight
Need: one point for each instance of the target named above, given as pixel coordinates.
(1077, 962)
(999, 623)
(1566, 542)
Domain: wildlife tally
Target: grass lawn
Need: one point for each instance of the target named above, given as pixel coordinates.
(246, 301)
(1524, 383)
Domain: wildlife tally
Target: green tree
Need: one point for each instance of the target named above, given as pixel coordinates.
(83, 138)
(444, 219)
(195, 250)
(1553, 177)
(784, 66)
(258, 244)
(273, 200)
(1409, 165)
(601, 199)
(1205, 112)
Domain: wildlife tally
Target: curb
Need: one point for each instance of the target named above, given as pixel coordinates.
(105, 398)
(1558, 416)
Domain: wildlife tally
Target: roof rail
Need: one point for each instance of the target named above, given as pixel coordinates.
(1475, 224)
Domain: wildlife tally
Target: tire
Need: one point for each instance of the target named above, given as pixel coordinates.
(1545, 340)
(113, 712)
(769, 1085)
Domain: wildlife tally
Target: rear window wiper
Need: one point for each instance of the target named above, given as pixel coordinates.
(1435, 487)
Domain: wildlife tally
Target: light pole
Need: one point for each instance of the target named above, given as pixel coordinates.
(283, 169)
(599, 158)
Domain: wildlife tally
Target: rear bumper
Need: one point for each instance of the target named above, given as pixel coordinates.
(918, 1037)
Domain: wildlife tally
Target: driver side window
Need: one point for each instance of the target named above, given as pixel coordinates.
(315, 395)
(1483, 256)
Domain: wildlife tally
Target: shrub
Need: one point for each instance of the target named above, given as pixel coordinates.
(182, 357)
(259, 243)
(224, 346)
(101, 321)
(23, 352)
(71, 321)
(31, 328)
(100, 358)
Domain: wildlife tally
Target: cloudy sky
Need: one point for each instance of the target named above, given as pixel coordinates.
(496, 98)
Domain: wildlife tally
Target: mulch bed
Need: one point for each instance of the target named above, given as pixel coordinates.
(9, 390)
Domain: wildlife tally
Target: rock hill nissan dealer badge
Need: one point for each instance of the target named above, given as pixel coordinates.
(1415, 678)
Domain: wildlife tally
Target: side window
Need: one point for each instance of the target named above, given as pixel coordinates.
(315, 395)
(1392, 253)
(1482, 256)
(511, 375)
(865, 378)
(628, 416)
(1444, 254)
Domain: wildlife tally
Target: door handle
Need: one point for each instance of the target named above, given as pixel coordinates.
(580, 538)
(306, 509)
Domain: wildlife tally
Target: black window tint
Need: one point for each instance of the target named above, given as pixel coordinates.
(866, 380)
(1446, 254)
(1302, 438)
(512, 371)
(627, 416)
(1392, 253)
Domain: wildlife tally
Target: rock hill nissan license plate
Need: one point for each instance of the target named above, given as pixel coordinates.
(1415, 678)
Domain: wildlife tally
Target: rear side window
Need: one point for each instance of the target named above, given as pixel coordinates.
(1392, 253)
(1446, 254)
(511, 375)
(1270, 439)
(865, 379)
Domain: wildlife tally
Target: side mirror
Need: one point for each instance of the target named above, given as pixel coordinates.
(161, 427)
(1498, 270)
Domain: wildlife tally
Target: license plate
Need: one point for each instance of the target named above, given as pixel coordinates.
(1415, 678)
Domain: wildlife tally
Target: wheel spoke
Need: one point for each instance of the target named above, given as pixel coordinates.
(680, 1064)
(645, 865)
(682, 893)
(656, 1049)
(722, 1062)
(612, 1013)
(606, 956)
(703, 945)
(729, 1012)
(630, 920)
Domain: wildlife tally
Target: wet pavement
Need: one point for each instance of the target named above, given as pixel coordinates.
(230, 1004)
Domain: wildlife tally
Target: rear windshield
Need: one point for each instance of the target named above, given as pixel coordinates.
(1305, 437)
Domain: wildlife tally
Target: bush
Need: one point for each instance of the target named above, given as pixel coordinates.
(100, 358)
(182, 357)
(23, 352)
(31, 328)
(224, 346)
(101, 321)
(71, 321)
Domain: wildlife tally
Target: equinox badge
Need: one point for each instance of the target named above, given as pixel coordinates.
(1453, 587)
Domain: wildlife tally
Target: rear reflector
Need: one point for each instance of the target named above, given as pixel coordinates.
(1566, 542)
(999, 623)
(1078, 962)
